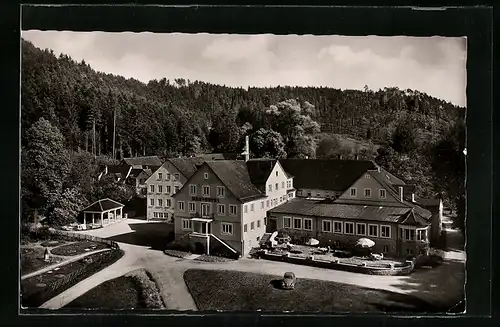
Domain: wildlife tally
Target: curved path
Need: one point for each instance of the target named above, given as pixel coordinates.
(438, 283)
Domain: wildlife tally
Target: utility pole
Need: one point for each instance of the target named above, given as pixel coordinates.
(114, 132)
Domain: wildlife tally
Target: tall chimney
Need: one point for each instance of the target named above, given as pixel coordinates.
(401, 193)
(247, 149)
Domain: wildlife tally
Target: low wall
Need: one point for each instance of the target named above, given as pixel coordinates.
(85, 237)
(405, 269)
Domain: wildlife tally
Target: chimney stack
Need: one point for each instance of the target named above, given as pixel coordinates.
(246, 152)
(401, 193)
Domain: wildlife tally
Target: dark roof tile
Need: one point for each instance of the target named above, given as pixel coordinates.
(187, 166)
(143, 161)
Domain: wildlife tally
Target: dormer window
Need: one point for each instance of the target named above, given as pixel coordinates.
(367, 176)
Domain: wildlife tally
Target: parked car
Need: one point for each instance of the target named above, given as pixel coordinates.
(289, 280)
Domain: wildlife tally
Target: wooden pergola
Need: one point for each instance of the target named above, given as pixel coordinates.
(108, 211)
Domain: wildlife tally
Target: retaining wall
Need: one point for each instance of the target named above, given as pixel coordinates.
(405, 269)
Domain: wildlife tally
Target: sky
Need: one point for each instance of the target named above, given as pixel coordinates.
(434, 65)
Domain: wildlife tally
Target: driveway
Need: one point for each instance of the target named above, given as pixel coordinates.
(140, 240)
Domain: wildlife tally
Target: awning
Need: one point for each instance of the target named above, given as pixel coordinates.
(203, 220)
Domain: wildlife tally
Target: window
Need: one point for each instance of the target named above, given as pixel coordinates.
(337, 227)
(353, 192)
(276, 186)
(407, 234)
(206, 209)
(308, 224)
(421, 235)
(205, 175)
(186, 224)
(252, 207)
(232, 210)
(152, 188)
(160, 202)
(206, 190)
(221, 191)
(167, 177)
(245, 228)
(367, 176)
(270, 187)
(221, 209)
(176, 176)
(180, 205)
(385, 249)
(168, 203)
(155, 214)
(282, 184)
(288, 184)
(308, 193)
(258, 223)
(226, 229)
(245, 208)
(267, 203)
(192, 206)
(252, 226)
(160, 176)
(152, 202)
(160, 189)
(373, 230)
(176, 189)
(168, 189)
(385, 231)
(327, 226)
(287, 222)
(297, 223)
(381, 193)
(368, 192)
(281, 199)
(360, 229)
(349, 228)
(192, 189)
(409, 251)
(262, 205)
(318, 194)
(276, 173)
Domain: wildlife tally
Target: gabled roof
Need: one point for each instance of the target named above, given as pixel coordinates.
(331, 209)
(187, 166)
(123, 170)
(234, 175)
(103, 205)
(143, 161)
(325, 174)
(260, 169)
(146, 172)
(412, 218)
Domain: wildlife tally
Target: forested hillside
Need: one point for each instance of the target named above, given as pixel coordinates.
(182, 117)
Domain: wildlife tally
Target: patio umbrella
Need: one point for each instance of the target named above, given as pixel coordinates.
(365, 243)
(312, 242)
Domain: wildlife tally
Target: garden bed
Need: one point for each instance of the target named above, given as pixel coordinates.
(135, 290)
(211, 258)
(32, 259)
(241, 291)
(78, 248)
(177, 253)
(38, 289)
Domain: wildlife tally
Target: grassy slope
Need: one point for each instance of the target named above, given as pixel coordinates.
(232, 290)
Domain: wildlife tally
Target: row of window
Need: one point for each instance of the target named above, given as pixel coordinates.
(269, 203)
(368, 192)
(276, 186)
(408, 234)
(206, 208)
(160, 215)
(168, 202)
(168, 189)
(339, 227)
(225, 228)
(167, 176)
(193, 190)
(252, 225)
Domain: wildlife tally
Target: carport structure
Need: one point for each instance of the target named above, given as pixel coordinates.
(108, 211)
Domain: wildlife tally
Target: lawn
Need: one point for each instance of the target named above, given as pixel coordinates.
(32, 259)
(240, 291)
(77, 248)
(135, 290)
(38, 289)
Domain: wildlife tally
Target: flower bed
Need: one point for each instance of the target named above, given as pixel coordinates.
(78, 248)
(177, 253)
(211, 258)
(38, 289)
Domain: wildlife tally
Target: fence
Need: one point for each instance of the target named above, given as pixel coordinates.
(85, 237)
(405, 269)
